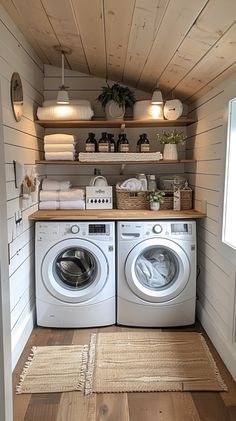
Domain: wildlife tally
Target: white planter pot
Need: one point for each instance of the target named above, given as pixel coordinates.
(155, 206)
(170, 151)
(113, 111)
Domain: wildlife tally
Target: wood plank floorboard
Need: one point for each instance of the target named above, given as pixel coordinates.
(158, 406)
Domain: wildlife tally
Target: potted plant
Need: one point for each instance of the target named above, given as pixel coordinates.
(156, 198)
(170, 141)
(115, 99)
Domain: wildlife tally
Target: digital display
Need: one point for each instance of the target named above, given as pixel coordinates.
(97, 229)
(179, 228)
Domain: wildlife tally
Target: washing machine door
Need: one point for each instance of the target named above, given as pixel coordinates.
(74, 270)
(157, 270)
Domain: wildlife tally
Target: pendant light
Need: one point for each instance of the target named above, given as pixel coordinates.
(62, 96)
(157, 98)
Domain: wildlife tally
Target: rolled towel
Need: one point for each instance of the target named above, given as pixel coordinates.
(75, 204)
(65, 112)
(59, 138)
(60, 156)
(50, 184)
(63, 147)
(131, 184)
(50, 204)
(70, 195)
(50, 102)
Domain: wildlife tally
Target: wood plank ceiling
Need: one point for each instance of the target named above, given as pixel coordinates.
(186, 46)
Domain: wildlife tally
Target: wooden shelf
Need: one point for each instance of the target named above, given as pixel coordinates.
(113, 123)
(112, 214)
(182, 161)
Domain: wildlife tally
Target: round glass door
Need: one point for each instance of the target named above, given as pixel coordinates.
(74, 270)
(157, 270)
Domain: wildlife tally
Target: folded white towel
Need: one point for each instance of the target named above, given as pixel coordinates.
(70, 195)
(65, 112)
(60, 156)
(52, 204)
(75, 204)
(63, 147)
(59, 138)
(50, 102)
(130, 184)
(50, 184)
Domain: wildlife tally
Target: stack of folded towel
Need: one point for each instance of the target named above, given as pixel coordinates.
(59, 147)
(59, 195)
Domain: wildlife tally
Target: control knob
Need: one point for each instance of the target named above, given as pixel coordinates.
(157, 229)
(74, 229)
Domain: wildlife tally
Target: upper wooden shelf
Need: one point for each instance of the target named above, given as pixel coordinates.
(54, 162)
(112, 214)
(114, 123)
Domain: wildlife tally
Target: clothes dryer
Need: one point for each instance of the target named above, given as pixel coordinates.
(156, 273)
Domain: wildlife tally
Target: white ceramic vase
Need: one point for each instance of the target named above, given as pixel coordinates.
(155, 206)
(170, 152)
(113, 111)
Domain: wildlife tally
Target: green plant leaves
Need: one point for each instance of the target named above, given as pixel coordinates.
(122, 95)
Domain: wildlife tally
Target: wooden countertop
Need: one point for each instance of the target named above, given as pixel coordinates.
(112, 214)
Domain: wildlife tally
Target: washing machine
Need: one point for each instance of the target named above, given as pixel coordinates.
(156, 284)
(75, 274)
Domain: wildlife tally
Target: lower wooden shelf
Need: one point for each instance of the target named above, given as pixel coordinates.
(112, 214)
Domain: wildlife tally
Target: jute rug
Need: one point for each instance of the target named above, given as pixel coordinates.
(54, 369)
(151, 361)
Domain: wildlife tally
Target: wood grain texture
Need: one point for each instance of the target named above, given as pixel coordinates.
(161, 406)
(114, 123)
(113, 214)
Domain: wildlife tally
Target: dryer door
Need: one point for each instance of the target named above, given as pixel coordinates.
(157, 270)
(74, 270)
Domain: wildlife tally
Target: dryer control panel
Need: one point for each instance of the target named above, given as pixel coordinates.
(159, 228)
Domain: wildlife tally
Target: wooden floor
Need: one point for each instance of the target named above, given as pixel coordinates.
(159, 406)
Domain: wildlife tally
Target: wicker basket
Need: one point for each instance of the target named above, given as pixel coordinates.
(168, 200)
(126, 199)
(186, 199)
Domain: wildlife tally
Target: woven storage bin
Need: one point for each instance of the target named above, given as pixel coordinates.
(168, 200)
(126, 199)
(186, 199)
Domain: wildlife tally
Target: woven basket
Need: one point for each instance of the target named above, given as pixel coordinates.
(126, 199)
(186, 199)
(168, 200)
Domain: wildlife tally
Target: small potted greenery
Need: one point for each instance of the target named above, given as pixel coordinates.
(115, 99)
(156, 198)
(170, 141)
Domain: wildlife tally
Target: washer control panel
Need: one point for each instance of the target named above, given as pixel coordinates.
(128, 230)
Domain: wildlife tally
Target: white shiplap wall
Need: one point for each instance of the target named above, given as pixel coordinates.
(22, 142)
(216, 282)
(82, 86)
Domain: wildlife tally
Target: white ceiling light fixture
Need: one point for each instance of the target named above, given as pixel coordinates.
(63, 96)
(157, 98)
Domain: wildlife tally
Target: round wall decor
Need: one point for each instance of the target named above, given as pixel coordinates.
(16, 96)
(173, 109)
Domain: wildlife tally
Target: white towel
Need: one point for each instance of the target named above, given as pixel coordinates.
(63, 147)
(75, 204)
(50, 102)
(130, 184)
(52, 204)
(65, 112)
(59, 138)
(60, 156)
(50, 184)
(70, 195)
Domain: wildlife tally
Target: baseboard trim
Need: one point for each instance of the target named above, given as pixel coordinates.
(226, 350)
(23, 334)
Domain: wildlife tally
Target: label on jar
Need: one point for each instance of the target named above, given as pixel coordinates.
(144, 148)
(176, 201)
(103, 147)
(112, 147)
(124, 147)
(90, 147)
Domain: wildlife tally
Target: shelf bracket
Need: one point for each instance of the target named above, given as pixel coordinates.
(122, 128)
(122, 169)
